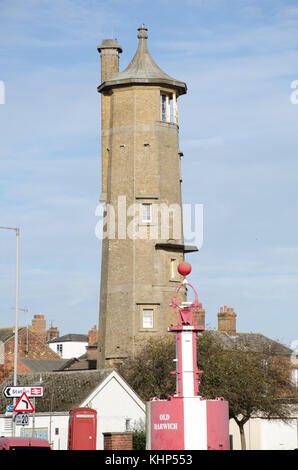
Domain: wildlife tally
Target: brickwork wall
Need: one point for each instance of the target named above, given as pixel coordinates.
(118, 441)
(135, 273)
(140, 164)
(92, 335)
(227, 320)
(199, 317)
(39, 326)
(30, 346)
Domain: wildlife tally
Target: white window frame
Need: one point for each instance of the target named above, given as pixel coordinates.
(294, 377)
(60, 349)
(146, 217)
(168, 107)
(151, 319)
(163, 107)
(173, 268)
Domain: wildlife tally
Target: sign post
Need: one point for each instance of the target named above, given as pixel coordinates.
(21, 419)
(23, 404)
(15, 392)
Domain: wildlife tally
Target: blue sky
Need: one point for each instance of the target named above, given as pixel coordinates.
(238, 133)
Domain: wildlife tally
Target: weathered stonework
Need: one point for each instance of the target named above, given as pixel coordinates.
(140, 165)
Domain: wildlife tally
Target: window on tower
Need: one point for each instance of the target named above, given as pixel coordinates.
(173, 268)
(146, 213)
(163, 103)
(168, 107)
(147, 318)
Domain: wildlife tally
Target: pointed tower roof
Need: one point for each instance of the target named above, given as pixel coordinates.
(143, 70)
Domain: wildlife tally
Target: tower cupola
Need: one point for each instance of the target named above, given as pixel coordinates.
(143, 70)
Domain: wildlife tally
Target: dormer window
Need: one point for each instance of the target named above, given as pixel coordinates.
(168, 107)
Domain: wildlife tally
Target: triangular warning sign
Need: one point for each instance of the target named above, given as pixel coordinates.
(23, 404)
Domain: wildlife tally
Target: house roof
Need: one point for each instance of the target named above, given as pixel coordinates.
(7, 333)
(255, 341)
(77, 363)
(44, 365)
(70, 337)
(63, 391)
(142, 69)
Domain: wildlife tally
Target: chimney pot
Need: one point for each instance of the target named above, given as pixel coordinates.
(227, 320)
(109, 51)
(92, 335)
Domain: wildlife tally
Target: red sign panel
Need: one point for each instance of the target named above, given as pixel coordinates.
(167, 427)
(23, 404)
(36, 391)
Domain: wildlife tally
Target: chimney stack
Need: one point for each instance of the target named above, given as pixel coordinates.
(227, 320)
(92, 335)
(199, 316)
(109, 53)
(52, 333)
(39, 326)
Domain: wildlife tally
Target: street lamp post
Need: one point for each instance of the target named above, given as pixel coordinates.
(15, 371)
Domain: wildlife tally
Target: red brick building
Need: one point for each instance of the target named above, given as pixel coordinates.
(31, 345)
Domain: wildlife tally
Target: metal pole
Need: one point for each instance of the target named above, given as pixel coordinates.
(16, 336)
(15, 371)
(33, 420)
(15, 374)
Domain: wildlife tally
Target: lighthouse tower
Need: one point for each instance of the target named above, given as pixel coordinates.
(142, 242)
(187, 420)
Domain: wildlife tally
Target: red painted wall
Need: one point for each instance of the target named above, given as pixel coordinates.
(218, 425)
(167, 427)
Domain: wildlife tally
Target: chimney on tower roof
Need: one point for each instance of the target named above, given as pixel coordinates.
(109, 52)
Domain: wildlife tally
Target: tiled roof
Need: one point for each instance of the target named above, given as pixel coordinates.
(63, 391)
(6, 333)
(44, 365)
(77, 363)
(70, 337)
(255, 341)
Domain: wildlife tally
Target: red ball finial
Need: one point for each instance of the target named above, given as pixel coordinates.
(184, 268)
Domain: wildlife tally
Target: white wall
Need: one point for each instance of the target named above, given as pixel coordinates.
(277, 435)
(114, 402)
(70, 349)
(45, 425)
(264, 434)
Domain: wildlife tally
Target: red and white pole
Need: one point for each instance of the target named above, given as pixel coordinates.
(186, 420)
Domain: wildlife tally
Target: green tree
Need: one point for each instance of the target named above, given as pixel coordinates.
(149, 373)
(254, 382)
(139, 436)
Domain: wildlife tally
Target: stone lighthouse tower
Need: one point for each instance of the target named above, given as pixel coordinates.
(142, 243)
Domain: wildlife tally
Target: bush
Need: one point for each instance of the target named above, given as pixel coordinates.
(139, 436)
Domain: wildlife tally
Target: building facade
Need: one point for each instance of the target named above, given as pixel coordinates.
(31, 345)
(70, 345)
(142, 239)
(118, 407)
